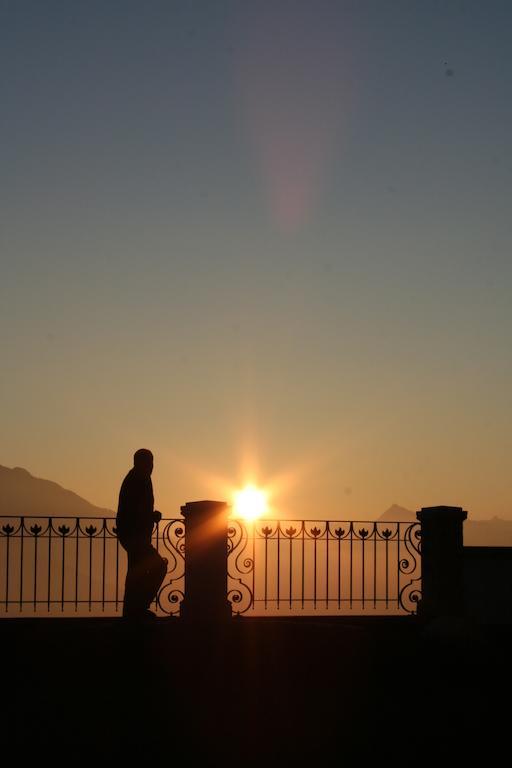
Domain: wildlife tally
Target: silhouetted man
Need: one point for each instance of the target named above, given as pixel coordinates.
(134, 521)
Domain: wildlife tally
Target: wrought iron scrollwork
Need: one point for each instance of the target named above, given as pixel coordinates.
(171, 544)
(410, 593)
(240, 568)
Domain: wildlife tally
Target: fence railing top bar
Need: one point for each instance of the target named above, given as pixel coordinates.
(331, 520)
(260, 521)
(73, 517)
(315, 521)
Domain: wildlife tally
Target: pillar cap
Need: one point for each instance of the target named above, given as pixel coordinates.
(442, 514)
(203, 507)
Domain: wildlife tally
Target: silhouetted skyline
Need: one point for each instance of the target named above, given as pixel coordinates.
(271, 236)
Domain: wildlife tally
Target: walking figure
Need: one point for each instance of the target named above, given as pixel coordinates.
(135, 519)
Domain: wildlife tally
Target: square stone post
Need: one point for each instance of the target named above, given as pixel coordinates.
(206, 561)
(441, 561)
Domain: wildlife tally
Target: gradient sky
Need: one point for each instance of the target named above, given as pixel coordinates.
(267, 240)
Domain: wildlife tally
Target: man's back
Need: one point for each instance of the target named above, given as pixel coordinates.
(134, 518)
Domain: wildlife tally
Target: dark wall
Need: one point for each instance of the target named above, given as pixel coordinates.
(488, 584)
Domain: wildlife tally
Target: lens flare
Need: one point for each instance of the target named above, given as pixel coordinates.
(293, 72)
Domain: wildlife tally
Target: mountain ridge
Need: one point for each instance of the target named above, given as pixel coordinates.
(23, 494)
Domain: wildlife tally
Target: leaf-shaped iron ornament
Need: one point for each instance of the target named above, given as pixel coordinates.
(266, 531)
(90, 530)
(290, 532)
(363, 533)
(8, 529)
(36, 529)
(339, 532)
(315, 532)
(63, 530)
(386, 533)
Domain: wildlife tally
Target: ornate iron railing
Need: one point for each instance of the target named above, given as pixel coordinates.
(75, 566)
(330, 567)
(72, 566)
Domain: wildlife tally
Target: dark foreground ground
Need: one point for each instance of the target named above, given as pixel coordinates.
(254, 692)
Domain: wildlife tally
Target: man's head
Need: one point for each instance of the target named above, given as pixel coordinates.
(143, 461)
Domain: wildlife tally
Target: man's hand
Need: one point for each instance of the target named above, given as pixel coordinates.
(157, 516)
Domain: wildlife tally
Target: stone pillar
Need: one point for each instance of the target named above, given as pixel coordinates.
(441, 561)
(206, 561)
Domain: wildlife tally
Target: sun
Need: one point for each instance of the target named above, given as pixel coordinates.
(250, 502)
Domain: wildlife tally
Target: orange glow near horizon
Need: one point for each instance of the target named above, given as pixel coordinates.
(251, 491)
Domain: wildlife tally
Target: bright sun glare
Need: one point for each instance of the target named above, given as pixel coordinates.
(250, 502)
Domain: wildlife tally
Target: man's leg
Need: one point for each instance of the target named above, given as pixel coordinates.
(154, 574)
(135, 592)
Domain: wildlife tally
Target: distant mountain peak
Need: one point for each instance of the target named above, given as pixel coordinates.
(490, 532)
(23, 494)
(396, 513)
